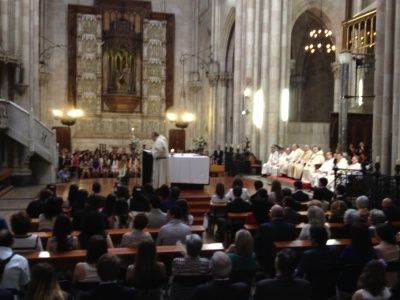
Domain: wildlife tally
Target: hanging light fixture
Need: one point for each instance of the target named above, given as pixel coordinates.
(319, 40)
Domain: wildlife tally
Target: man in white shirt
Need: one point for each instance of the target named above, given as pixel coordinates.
(160, 160)
(341, 164)
(16, 272)
(325, 169)
(175, 230)
(273, 160)
(355, 166)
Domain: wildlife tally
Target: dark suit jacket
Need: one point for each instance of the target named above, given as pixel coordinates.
(300, 196)
(291, 216)
(109, 291)
(320, 267)
(238, 205)
(283, 288)
(276, 230)
(221, 289)
(323, 194)
(260, 208)
(392, 213)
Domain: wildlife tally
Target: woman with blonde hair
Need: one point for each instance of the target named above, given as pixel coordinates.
(242, 256)
(316, 217)
(44, 285)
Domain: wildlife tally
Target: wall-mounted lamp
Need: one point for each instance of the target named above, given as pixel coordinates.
(285, 105)
(258, 109)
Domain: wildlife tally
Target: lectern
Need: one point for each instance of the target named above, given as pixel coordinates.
(147, 166)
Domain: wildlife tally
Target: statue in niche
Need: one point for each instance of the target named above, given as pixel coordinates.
(123, 79)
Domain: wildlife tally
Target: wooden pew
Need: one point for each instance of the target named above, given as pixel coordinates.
(116, 234)
(70, 258)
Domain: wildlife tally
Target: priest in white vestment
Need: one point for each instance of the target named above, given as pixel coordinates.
(160, 161)
(325, 169)
(283, 153)
(273, 160)
(317, 158)
(355, 166)
(342, 164)
(291, 158)
(296, 169)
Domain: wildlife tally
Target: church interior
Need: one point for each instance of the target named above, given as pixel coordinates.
(199, 149)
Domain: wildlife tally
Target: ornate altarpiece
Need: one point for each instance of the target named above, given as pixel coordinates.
(121, 65)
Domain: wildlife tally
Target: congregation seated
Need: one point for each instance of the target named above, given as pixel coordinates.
(219, 195)
(87, 271)
(52, 209)
(284, 286)
(44, 285)
(375, 217)
(337, 209)
(391, 211)
(16, 274)
(109, 270)
(243, 258)
(23, 240)
(62, 240)
(353, 258)
(139, 201)
(36, 206)
(351, 216)
(260, 206)
(275, 230)
(237, 203)
(298, 193)
(93, 224)
(187, 218)
(276, 196)
(189, 270)
(322, 193)
(147, 274)
(173, 196)
(387, 249)
(221, 287)
(175, 230)
(372, 284)
(290, 214)
(137, 235)
(108, 208)
(245, 193)
(121, 217)
(156, 216)
(362, 206)
(319, 265)
(316, 218)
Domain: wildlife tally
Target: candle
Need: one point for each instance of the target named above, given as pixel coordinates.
(172, 151)
(398, 162)
(377, 159)
(133, 129)
(237, 147)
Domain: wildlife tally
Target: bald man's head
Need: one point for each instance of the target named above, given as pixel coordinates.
(386, 203)
(276, 211)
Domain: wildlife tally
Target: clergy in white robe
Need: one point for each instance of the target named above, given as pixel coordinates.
(325, 169)
(296, 169)
(160, 161)
(283, 153)
(273, 160)
(342, 164)
(317, 158)
(355, 166)
(291, 158)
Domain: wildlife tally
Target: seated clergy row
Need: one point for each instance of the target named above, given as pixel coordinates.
(306, 164)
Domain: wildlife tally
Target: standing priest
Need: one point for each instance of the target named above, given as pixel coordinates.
(160, 160)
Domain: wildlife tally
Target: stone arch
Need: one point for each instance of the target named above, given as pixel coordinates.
(312, 81)
(226, 35)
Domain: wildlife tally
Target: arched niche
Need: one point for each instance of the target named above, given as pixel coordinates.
(311, 80)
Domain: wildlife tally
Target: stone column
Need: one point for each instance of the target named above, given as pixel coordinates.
(5, 14)
(336, 93)
(213, 81)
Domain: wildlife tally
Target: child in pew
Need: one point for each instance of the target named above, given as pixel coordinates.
(137, 235)
(23, 240)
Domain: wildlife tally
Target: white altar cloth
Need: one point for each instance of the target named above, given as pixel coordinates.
(189, 168)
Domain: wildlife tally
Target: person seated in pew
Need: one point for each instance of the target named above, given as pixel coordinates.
(24, 241)
(108, 208)
(62, 240)
(284, 286)
(259, 207)
(337, 209)
(109, 271)
(93, 205)
(376, 217)
(78, 208)
(276, 195)
(275, 230)
(372, 283)
(139, 202)
(351, 216)
(245, 196)
(175, 230)
(221, 287)
(93, 225)
(237, 204)
(134, 238)
(290, 214)
(298, 194)
(319, 265)
(52, 209)
(44, 284)
(219, 195)
(147, 275)
(242, 257)
(387, 249)
(340, 194)
(187, 218)
(121, 217)
(316, 218)
(156, 216)
(174, 194)
(258, 185)
(353, 258)
(87, 271)
(322, 193)
(391, 211)
(362, 205)
(36, 206)
(16, 274)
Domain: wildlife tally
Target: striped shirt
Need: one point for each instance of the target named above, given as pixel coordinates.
(190, 266)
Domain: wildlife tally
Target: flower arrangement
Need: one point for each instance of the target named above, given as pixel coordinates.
(199, 143)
